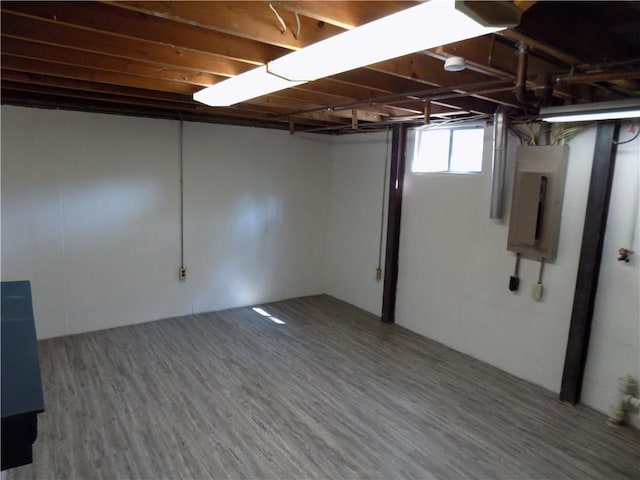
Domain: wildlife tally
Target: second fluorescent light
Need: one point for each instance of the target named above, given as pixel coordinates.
(589, 112)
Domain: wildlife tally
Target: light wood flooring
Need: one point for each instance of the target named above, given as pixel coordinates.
(332, 394)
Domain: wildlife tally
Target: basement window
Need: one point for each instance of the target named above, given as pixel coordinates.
(449, 150)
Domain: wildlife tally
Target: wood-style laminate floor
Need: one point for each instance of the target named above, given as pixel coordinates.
(332, 394)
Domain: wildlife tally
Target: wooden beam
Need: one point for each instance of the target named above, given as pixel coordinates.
(381, 81)
(249, 20)
(308, 99)
(524, 5)
(346, 90)
(497, 56)
(287, 103)
(270, 112)
(427, 70)
(416, 69)
(252, 117)
(254, 20)
(89, 74)
(108, 18)
(517, 36)
(348, 14)
(99, 96)
(85, 86)
(54, 34)
(387, 84)
(396, 188)
(66, 56)
(58, 34)
(288, 107)
(227, 116)
(595, 227)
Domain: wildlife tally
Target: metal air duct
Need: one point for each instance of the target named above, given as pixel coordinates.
(498, 161)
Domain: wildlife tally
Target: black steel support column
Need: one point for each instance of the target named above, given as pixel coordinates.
(595, 225)
(396, 187)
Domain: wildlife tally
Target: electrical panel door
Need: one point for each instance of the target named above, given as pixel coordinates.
(536, 205)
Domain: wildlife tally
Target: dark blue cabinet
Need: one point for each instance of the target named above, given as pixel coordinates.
(22, 397)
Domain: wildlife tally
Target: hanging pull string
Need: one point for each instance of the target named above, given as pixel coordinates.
(283, 27)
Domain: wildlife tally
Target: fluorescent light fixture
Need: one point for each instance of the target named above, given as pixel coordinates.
(428, 25)
(424, 26)
(251, 84)
(261, 312)
(589, 112)
(276, 320)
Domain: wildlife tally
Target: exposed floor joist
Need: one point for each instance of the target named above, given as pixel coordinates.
(117, 50)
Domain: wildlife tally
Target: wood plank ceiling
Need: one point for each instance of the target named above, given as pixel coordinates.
(148, 58)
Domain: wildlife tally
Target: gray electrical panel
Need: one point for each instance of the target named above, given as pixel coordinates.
(536, 205)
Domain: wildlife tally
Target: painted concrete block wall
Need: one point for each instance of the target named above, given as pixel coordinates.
(614, 350)
(454, 268)
(356, 200)
(255, 214)
(454, 271)
(90, 214)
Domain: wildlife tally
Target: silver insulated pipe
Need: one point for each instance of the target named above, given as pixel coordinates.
(498, 161)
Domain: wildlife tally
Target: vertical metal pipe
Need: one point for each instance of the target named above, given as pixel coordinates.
(181, 194)
(544, 135)
(498, 161)
(521, 76)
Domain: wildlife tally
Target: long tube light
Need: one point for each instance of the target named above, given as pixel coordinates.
(589, 112)
(424, 26)
(428, 25)
(251, 84)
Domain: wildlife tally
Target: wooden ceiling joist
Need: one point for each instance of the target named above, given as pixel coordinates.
(58, 34)
(29, 65)
(88, 86)
(108, 18)
(249, 20)
(65, 56)
(149, 57)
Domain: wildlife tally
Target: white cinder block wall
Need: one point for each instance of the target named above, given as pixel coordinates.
(454, 270)
(615, 332)
(355, 205)
(454, 267)
(90, 214)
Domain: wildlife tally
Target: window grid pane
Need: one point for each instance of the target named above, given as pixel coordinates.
(466, 150)
(455, 150)
(433, 151)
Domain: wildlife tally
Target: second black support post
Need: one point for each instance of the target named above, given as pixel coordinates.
(396, 188)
